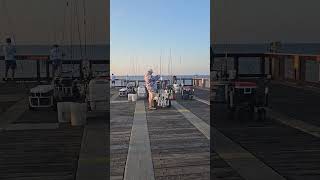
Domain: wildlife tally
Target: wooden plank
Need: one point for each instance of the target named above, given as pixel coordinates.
(294, 123)
(139, 162)
(237, 157)
(13, 113)
(202, 100)
(203, 127)
(93, 158)
(29, 126)
(179, 150)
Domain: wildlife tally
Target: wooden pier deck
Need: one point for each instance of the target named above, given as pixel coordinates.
(33, 146)
(179, 150)
(292, 153)
(176, 147)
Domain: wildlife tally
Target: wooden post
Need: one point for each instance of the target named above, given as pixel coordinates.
(296, 66)
(281, 67)
(262, 65)
(302, 71)
(236, 65)
(81, 71)
(270, 66)
(38, 71)
(47, 70)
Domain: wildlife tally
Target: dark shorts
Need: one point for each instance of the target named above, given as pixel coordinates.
(113, 82)
(56, 64)
(11, 65)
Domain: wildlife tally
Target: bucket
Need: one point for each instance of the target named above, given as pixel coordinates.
(134, 97)
(64, 115)
(78, 114)
(129, 97)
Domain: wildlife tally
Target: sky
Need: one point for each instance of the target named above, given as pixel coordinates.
(42, 21)
(142, 31)
(261, 21)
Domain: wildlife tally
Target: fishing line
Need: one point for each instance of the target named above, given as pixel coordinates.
(79, 32)
(10, 25)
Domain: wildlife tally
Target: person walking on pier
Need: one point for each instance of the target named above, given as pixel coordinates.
(151, 86)
(56, 57)
(9, 52)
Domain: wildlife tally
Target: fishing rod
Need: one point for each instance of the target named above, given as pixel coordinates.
(10, 25)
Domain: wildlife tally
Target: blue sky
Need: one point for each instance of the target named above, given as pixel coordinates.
(141, 30)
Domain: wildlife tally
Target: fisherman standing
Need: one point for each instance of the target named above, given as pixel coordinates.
(113, 80)
(151, 85)
(9, 52)
(56, 57)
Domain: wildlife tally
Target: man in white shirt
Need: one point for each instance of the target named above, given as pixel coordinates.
(9, 52)
(56, 58)
(151, 85)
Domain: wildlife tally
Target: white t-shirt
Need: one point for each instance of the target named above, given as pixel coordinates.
(9, 52)
(113, 78)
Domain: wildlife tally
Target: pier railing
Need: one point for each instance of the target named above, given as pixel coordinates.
(197, 82)
(39, 68)
(201, 82)
(281, 66)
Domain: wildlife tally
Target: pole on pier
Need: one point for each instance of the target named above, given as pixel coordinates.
(302, 71)
(236, 65)
(38, 70)
(47, 70)
(262, 65)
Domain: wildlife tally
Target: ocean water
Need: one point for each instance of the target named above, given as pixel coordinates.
(165, 77)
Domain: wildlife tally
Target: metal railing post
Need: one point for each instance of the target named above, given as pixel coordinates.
(38, 71)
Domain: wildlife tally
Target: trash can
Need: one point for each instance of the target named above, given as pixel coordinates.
(129, 97)
(134, 97)
(64, 115)
(78, 114)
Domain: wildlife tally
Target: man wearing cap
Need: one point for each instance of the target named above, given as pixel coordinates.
(151, 85)
(9, 52)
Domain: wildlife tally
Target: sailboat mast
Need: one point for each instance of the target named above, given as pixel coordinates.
(160, 64)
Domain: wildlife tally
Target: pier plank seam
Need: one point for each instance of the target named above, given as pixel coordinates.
(202, 100)
(139, 163)
(295, 123)
(237, 157)
(93, 157)
(114, 97)
(114, 102)
(13, 113)
(121, 119)
(32, 126)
